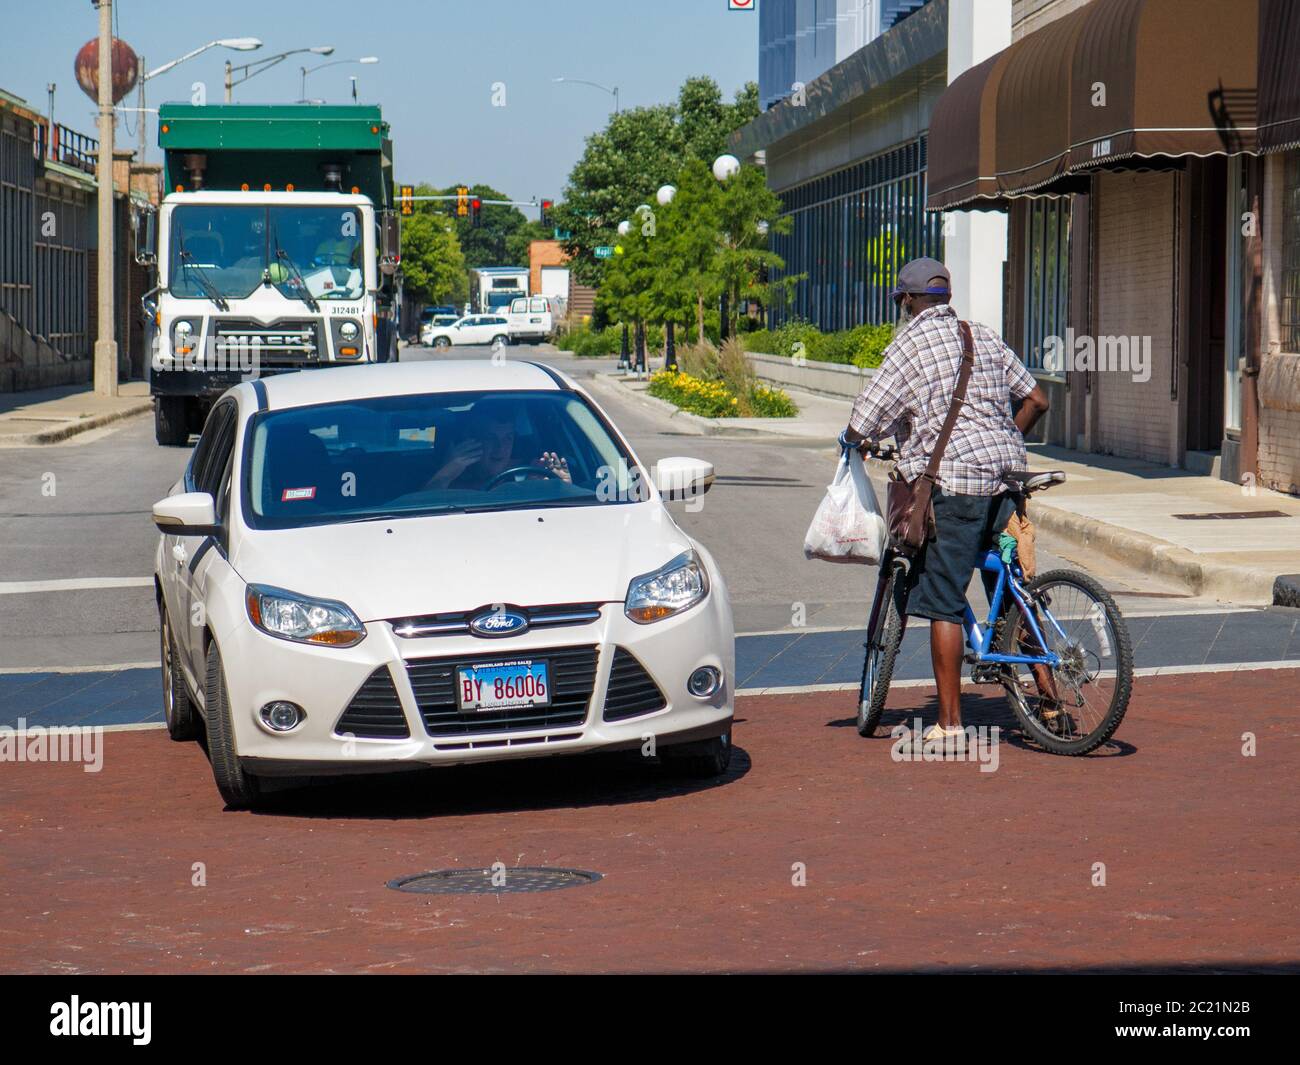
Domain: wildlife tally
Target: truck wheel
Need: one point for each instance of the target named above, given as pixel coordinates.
(170, 423)
(239, 789)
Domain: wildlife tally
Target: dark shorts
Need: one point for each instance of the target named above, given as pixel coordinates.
(965, 527)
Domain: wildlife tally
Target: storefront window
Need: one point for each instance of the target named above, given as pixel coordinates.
(1290, 301)
(1047, 278)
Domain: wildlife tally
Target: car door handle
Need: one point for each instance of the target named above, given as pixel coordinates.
(179, 554)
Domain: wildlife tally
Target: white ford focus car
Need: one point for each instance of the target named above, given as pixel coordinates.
(402, 565)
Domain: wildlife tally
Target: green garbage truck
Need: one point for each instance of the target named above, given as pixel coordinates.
(276, 248)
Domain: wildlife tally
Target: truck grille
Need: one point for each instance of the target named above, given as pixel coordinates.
(572, 677)
(286, 343)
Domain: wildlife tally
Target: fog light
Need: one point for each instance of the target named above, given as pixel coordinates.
(704, 682)
(282, 716)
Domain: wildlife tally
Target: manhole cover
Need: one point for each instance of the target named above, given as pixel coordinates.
(499, 881)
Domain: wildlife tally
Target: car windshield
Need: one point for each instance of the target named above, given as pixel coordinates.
(234, 248)
(407, 456)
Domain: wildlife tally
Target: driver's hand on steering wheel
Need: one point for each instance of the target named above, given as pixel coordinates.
(557, 466)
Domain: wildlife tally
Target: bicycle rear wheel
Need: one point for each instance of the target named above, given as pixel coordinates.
(882, 652)
(1080, 623)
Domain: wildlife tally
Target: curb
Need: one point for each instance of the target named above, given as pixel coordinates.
(75, 428)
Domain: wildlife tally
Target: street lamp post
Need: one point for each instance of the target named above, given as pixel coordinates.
(366, 59)
(725, 167)
(239, 44)
(594, 85)
(251, 70)
(106, 339)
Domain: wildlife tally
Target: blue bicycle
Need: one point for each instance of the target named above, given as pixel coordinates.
(1057, 643)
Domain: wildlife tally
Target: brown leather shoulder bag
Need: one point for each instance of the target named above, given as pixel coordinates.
(910, 504)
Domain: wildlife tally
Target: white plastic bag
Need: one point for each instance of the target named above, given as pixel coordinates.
(848, 525)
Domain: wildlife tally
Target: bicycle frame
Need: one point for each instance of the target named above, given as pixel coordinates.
(980, 640)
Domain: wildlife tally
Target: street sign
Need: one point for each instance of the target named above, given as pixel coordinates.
(604, 251)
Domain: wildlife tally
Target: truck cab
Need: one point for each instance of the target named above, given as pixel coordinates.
(275, 250)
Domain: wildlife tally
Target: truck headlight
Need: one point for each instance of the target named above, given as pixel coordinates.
(669, 590)
(183, 336)
(302, 619)
(349, 330)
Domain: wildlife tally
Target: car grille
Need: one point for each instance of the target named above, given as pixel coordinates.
(572, 677)
(375, 712)
(457, 622)
(288, 343)
(631, 691)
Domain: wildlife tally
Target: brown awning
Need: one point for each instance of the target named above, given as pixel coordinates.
(960, 170)
(1178, 78)
(1033, 124)
(1279, 75)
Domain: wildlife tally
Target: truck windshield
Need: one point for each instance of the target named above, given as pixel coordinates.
(230, 246)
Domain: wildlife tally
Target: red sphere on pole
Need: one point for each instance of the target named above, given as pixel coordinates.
(126, 69)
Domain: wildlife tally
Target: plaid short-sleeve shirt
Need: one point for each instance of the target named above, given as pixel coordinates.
(908, 399)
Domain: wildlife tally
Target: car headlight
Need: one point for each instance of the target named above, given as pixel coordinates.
(349, 330)
(669, 590)
(302, 619)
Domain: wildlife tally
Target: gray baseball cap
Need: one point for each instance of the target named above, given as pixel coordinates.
(923, 277)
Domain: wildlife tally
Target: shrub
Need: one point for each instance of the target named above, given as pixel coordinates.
(699, 360)
(737, 374)
(709, 399)
(862, 346)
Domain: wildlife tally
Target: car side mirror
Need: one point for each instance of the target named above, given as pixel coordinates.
(683, 478)
(187, 514)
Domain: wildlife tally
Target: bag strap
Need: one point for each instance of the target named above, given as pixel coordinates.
(958, 400)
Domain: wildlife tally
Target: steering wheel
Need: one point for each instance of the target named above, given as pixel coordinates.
(519, 472)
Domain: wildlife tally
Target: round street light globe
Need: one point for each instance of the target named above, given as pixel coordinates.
(762, 229)
(665, 194)
(724, 166)
(624, 228)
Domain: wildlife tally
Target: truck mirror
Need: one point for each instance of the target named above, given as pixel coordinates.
(146, 236)
(390, 251)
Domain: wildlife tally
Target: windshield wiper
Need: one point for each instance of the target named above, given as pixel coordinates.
(201, 275)
(300, 289)
(397, 515)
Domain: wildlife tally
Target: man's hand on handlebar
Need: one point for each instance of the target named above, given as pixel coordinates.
(850, 438)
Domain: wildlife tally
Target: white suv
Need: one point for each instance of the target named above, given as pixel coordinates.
(420, 564)
(532, 318)
(472, 329)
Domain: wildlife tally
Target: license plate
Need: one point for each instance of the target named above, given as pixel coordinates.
(503, 685)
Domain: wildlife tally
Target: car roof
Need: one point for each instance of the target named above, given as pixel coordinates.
(333, 384)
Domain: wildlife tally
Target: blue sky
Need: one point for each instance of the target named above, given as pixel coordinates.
(439, 61)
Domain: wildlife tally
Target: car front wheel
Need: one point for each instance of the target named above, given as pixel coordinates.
(238, 788)
(702, 760)
(180, 714)
(442, 343)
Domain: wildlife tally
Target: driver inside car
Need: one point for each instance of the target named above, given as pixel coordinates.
(489, 450)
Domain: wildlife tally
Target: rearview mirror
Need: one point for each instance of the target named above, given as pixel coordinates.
(390, 244)
(683, 478)
(144, 225)
(187, 514)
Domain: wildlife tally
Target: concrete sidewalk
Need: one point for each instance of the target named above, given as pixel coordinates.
(50, 415)
(1216, 538)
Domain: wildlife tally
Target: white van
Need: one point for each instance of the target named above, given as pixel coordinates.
(533, 318)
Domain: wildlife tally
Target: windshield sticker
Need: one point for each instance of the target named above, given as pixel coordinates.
(291, 494)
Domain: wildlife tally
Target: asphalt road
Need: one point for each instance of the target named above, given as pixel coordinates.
(78, 513)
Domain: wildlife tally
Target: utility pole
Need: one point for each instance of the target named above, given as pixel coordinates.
(140, 117)
(106, 344)
(230, 85)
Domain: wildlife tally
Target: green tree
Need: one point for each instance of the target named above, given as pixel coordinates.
(433, 267)
(489, 244)
(747, 212)
(639, 150)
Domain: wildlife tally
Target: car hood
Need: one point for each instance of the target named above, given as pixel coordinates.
(453, 562)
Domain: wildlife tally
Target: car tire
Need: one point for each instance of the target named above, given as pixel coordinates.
(703, 760)
(170, 421)
(442, 343)
(240, 789)
(504, 341)
(179, 711)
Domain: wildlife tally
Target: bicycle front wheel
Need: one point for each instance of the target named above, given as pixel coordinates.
(1076, 706)
(882, 652)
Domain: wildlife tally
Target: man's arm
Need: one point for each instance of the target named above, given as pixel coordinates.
(879, 406)
(1032, 407)
(1033, 400)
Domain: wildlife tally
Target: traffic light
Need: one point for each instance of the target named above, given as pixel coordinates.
(546, 211)
(475, 209)
(408, 204)
(462, 201)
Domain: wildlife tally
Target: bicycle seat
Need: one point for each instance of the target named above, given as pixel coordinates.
(1026, 481)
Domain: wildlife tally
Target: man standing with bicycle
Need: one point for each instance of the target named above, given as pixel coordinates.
(925, 399)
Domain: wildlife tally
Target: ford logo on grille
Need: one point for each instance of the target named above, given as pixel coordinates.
(498, 623)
